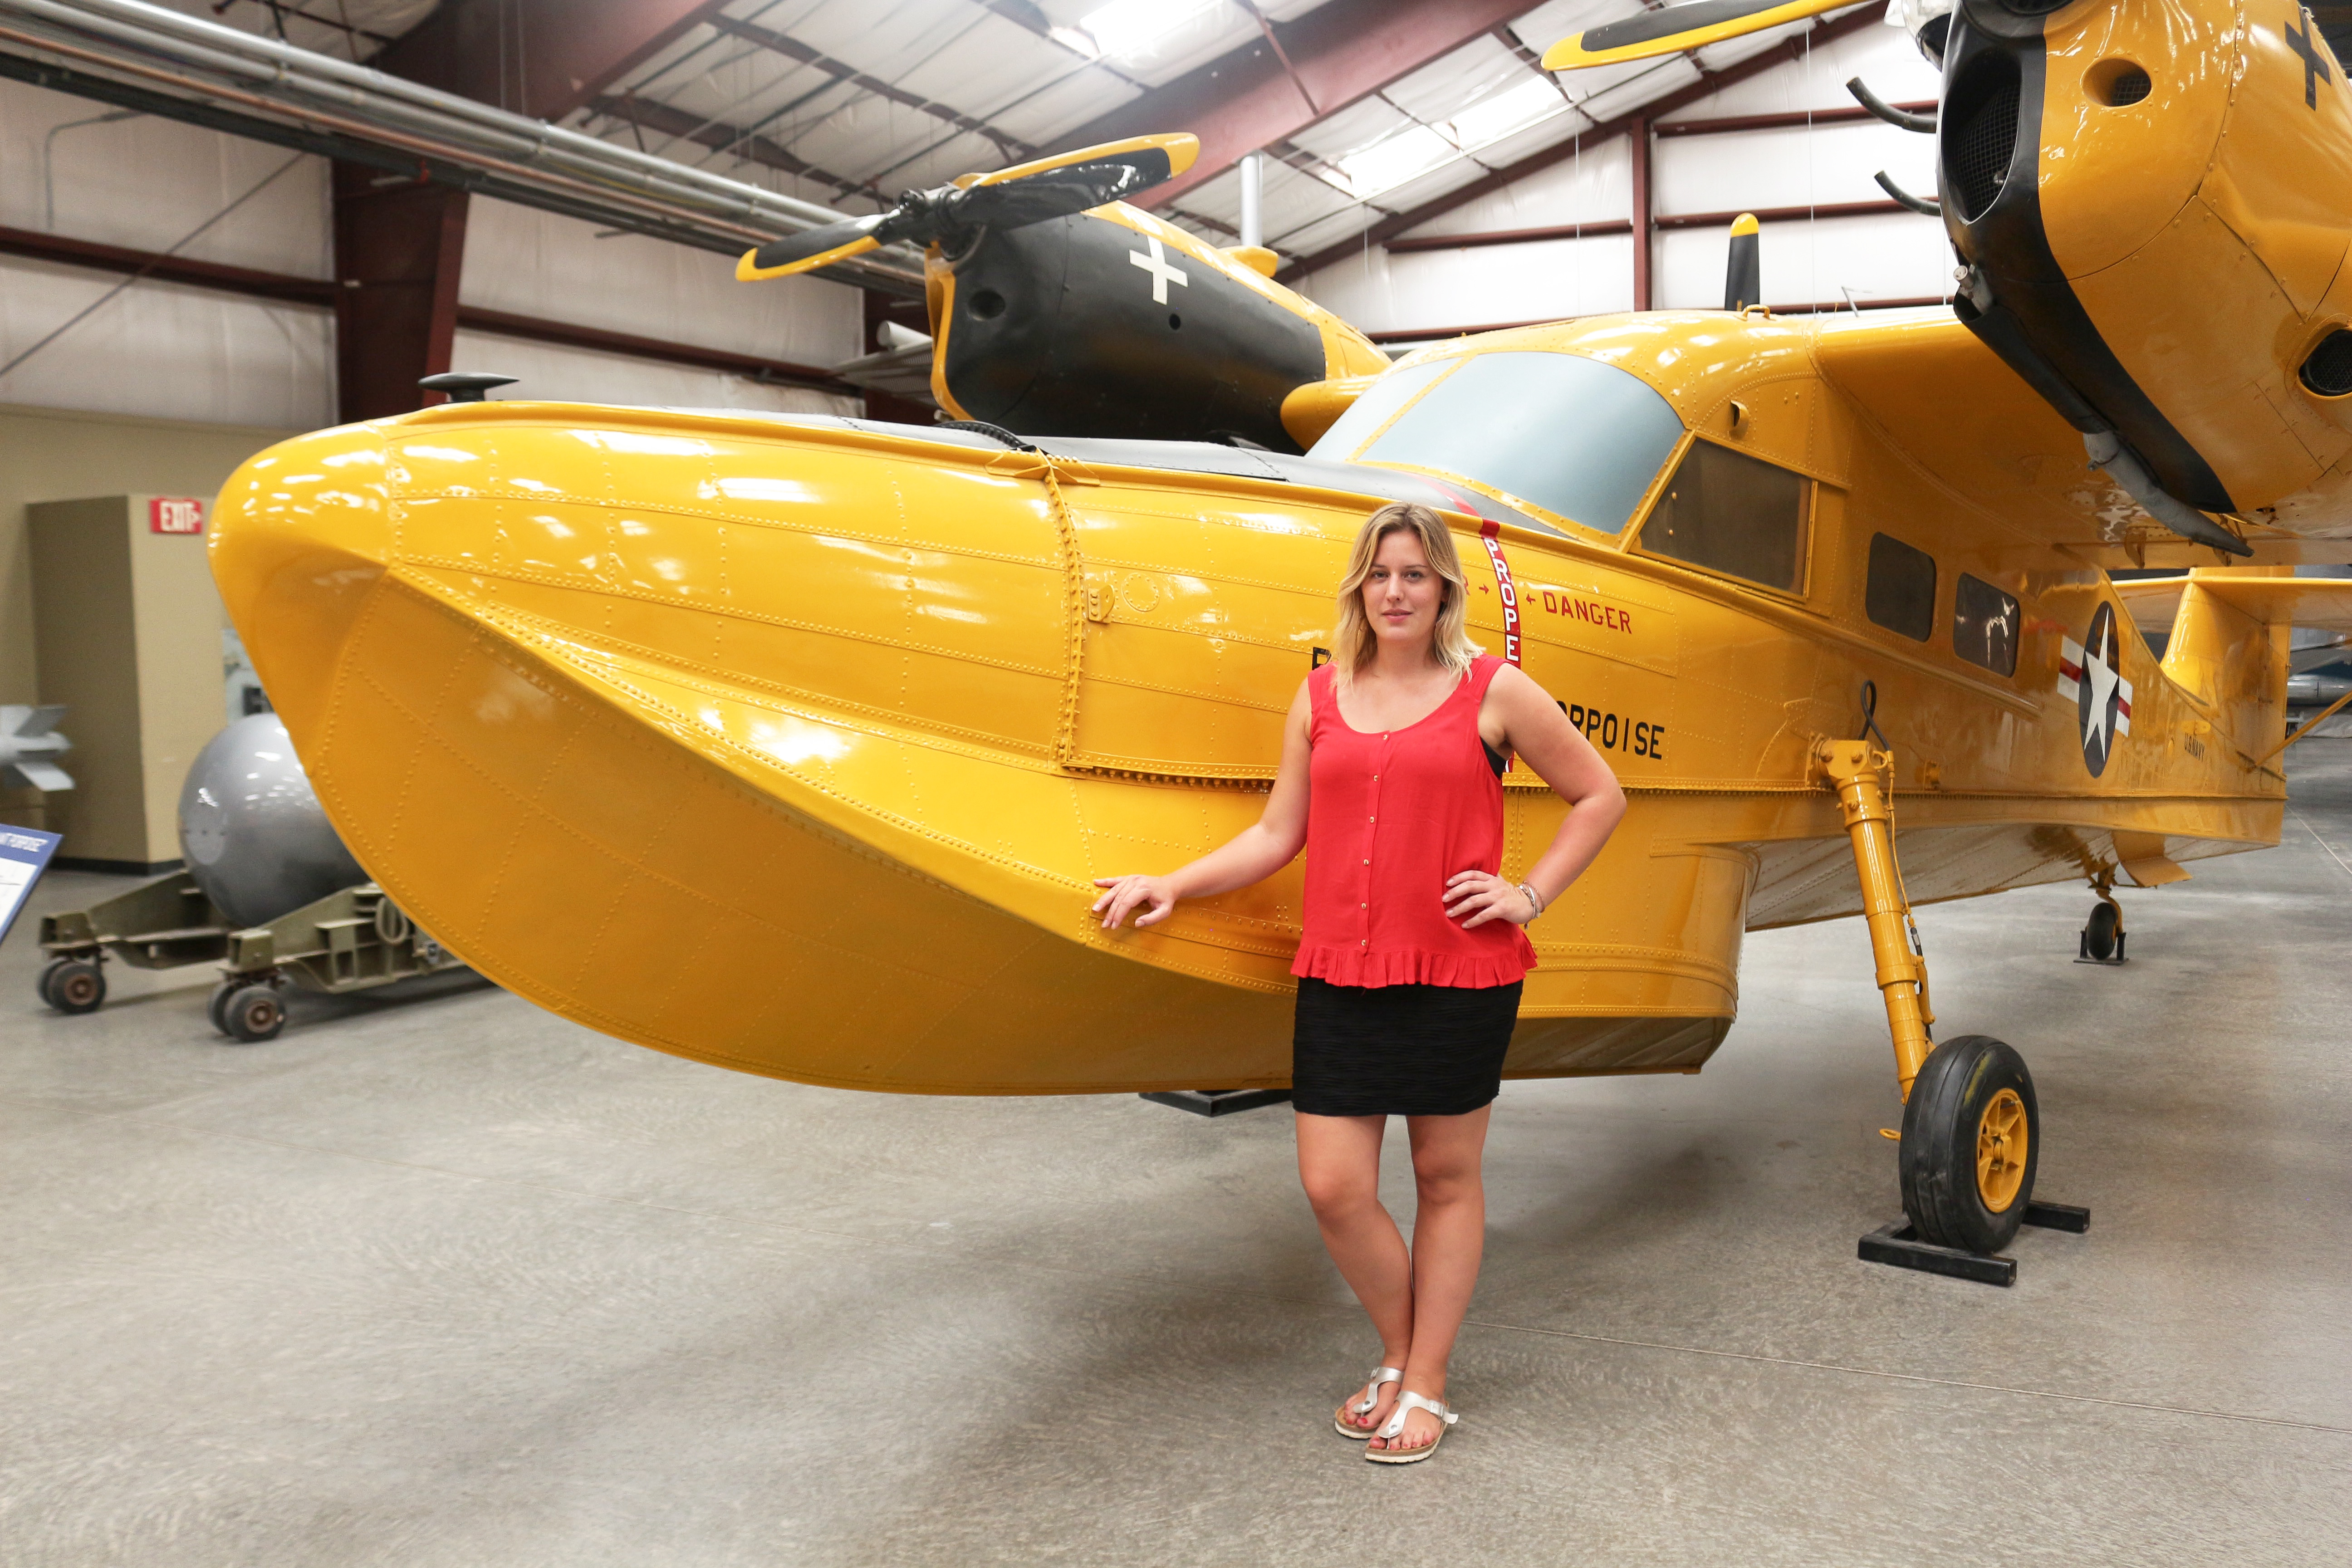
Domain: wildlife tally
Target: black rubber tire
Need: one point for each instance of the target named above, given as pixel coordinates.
(1938, 1157)
(217, 1005)
(73, 984)
(252, 1013)
(2099, 935)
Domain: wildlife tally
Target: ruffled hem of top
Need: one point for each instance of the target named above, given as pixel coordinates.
(1354, 966)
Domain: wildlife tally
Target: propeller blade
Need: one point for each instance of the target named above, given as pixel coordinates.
(1675, 28)
(817, 247)
(1160, 156)
(1009, 198)
(1069, 183)
(1743, 271)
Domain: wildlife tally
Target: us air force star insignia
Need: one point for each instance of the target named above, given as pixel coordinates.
(1162, 273)
(2093, 678)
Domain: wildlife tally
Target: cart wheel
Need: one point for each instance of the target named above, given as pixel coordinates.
(251, 1014)
(2099, 935)
(217, 1005)
(1971, 1135)
(73, 984)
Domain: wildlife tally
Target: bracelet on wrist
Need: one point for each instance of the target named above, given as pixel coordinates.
(1535, 902)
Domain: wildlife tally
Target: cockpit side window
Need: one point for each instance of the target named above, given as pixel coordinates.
(1899, 593)
(1574, 437)
(1377, 407)
(1985, 625)
(1728, 512)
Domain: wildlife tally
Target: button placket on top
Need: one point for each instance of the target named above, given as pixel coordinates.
(1371, 833)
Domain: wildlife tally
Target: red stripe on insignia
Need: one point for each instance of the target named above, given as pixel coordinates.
(2123, 707)
(2071, 671)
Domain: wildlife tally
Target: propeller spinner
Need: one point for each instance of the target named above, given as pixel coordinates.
(1025, 193)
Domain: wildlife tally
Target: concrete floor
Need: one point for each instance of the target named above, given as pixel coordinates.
(446, 1280)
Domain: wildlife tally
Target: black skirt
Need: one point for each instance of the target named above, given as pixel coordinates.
(1399, 1050)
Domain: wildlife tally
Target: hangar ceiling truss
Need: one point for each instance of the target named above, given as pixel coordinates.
(1377, 115)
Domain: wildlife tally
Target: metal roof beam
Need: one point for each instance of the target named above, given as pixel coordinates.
(1252, 97)
(544, 58)
(1638, 118)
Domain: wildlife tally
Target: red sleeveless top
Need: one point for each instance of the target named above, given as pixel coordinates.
(1390, 817)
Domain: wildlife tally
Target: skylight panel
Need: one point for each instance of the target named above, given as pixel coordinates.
(1391, 162)
(1501, 114)
(1138, 32)
(1407, 154)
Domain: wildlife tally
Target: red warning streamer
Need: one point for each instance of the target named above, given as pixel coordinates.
(1488, 530)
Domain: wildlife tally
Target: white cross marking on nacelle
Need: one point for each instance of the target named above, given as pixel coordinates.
(1162, 273)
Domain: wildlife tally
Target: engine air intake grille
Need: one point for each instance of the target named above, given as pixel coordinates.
(1980, 138)
(2328, 369)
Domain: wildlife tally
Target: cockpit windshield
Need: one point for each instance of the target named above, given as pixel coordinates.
(1578, 437)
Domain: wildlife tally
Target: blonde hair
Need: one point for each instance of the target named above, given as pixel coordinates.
(1449, 643)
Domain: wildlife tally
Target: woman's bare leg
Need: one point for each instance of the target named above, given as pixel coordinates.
(1339, 1165)
(1449, 1238)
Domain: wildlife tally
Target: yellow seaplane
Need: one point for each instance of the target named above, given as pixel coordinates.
(795, 744)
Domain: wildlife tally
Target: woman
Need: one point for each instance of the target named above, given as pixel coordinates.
(1411, 958)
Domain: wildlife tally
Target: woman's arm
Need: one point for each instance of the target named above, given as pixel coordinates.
(1534, 726)
(1252, 855)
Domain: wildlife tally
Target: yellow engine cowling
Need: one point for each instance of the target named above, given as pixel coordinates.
(2169, 239)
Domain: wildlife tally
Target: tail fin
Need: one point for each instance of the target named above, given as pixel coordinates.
(2230, 628)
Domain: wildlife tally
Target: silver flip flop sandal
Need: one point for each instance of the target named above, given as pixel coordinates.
(1395, 1429)
(1381, 1374)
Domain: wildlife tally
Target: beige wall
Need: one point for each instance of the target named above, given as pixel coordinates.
(127, 633)
(56, 455)
(60, 455)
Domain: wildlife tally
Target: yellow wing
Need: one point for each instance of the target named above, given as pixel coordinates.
(2319, 604)
(1676, 28)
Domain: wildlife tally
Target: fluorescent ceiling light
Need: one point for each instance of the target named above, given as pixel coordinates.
(1133, 29)
(1414, 151)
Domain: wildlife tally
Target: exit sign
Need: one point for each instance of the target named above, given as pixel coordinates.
(175, 514)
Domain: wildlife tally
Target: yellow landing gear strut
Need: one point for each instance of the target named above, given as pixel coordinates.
(1971, 1127)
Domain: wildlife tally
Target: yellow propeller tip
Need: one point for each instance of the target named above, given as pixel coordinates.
(1744, 224)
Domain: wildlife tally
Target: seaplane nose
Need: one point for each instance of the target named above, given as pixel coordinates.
(301, 532)
(636, 710)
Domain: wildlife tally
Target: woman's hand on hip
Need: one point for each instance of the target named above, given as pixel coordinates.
(1474, 898)
(1128, 894)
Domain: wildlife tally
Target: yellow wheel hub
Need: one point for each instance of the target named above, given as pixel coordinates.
(2000, 1151)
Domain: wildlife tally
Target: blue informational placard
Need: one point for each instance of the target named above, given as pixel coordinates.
(24, 855)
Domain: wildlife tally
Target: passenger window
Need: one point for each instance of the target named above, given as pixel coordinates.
(1901, 592)
(1730, 514)
(1984, 625)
